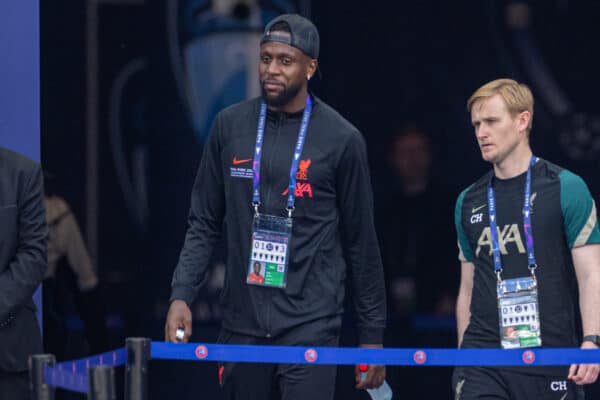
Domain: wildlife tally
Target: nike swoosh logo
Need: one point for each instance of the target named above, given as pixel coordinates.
(238, 162)
(475, 209)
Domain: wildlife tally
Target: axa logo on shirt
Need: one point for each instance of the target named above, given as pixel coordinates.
(507, 234)
(303, 187)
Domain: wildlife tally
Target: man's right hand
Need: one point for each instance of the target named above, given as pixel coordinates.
(179, 316)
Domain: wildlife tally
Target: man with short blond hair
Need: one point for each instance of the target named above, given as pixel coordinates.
(528, 239)
(517, 96)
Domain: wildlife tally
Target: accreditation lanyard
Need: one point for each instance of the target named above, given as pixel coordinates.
(295, 161)
(526, 223)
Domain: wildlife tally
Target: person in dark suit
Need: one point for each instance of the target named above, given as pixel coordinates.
(23, 263)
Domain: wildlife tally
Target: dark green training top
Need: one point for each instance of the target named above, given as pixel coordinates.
(563, 217)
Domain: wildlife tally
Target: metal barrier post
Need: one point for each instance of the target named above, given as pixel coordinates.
(37, 364)
(101, 383)
(136, 370)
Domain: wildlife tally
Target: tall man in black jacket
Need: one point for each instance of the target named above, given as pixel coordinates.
(289, 177)
(23, 263)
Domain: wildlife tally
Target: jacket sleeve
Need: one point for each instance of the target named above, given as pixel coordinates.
(205, 221)
(361, 249)
(28, 266)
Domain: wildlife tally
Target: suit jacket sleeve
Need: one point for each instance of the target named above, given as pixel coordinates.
(28, 266)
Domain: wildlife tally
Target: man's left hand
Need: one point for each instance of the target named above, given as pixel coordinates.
(583, 374)
(375, 374)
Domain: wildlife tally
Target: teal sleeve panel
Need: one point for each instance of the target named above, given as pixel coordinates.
(465, 251)
(579, 211)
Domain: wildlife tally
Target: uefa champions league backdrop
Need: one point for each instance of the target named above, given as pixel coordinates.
(20, 77)
(20, 80)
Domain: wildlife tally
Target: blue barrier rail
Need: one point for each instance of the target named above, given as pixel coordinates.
(72, 375)
(353, 356)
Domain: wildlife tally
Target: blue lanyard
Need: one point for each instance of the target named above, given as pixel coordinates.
(526, 223)
(260, 132)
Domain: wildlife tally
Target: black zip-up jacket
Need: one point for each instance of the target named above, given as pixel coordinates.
(333, 232)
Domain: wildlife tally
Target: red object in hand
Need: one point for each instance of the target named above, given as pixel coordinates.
(363, 367)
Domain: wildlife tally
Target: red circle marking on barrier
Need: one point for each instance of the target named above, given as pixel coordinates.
(201, 352)
(420, 357)
(310, 355)
(528, 357)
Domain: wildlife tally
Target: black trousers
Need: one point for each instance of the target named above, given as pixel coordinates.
(14, 386)
(250, 381)
(478, 383)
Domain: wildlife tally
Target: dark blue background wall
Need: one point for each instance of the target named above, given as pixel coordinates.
(20, 77)
(20, 81)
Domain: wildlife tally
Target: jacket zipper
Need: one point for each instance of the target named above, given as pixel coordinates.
(280, 121)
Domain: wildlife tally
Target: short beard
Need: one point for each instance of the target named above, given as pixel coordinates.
(283, 98)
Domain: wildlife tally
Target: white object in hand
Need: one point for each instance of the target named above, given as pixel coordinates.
(383, 392)
(179, 334)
